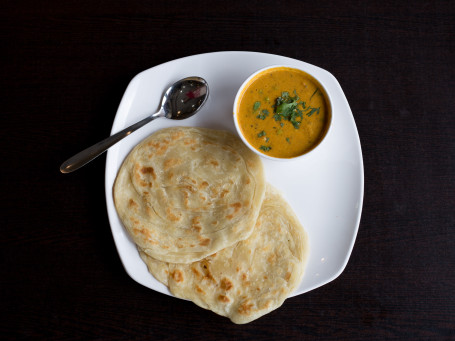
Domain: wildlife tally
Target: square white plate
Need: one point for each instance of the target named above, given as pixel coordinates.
(325, 189)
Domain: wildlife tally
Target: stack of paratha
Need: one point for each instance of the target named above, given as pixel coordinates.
(207, 225)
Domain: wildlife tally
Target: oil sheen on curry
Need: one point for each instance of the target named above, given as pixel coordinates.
(283, 112)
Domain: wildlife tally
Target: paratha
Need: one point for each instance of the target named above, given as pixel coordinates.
(251, 278)
(185, 193)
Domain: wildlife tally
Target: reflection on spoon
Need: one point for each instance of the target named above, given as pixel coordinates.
(182, 100)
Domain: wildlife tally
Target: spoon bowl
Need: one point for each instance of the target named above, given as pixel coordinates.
(182, 100)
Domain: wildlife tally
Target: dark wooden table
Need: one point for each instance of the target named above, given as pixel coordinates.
(64, 68)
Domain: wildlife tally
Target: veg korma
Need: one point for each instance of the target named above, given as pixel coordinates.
(283, 112)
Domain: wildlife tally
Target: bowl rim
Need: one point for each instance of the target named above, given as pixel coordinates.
(240, 92)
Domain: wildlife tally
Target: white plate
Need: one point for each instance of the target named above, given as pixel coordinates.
(325, 190)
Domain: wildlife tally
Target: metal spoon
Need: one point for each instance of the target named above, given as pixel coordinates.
(182, 100)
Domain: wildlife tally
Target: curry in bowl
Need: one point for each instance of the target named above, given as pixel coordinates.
(282, 112)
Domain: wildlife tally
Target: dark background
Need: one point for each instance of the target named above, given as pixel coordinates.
(64, 68)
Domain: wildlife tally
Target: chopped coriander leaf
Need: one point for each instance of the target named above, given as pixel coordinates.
(262, 133)
(314, 93)
(265, 148)
(267, 139)
(291, 109)
(296, 124)
(256, 105)
(264, 114)
(312, 111)
(287, 139)
(287, 107)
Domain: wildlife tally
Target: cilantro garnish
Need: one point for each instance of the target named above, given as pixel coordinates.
(314, 93)
(262, 133)
(312, 111)
(265, 148)
(263, 115)
(289, 108)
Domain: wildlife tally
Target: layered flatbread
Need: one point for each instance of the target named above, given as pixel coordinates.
(185, 193)
(252, 277)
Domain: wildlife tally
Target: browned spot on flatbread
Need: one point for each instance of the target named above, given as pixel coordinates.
(160, 147)
(149, 170)
(145, 234)
(177, 275)
(267, 304)
(206, 269)
(245, 308)
(190, 188)
(171, 215)
(236, 206)
(223, 298)
(287, 276)
(195, 223)
(245, 280)
(169, 163)
(177, 135)
(226, 284)
(196, 272)
(132, 203)
(135, 221)
(214, 163)
(199, 290)
(203, 184)
(189, 179)
(271, 258)
(204, 241)
(189, 141)
(223, 193)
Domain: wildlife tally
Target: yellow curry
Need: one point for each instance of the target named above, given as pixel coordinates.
(283, 112)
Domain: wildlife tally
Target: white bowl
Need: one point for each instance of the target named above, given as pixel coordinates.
(239, 96)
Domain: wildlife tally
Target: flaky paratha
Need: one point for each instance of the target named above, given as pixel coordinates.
(250, 278)
(185, 193)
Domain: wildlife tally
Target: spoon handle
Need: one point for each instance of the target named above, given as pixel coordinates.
(87, 155)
